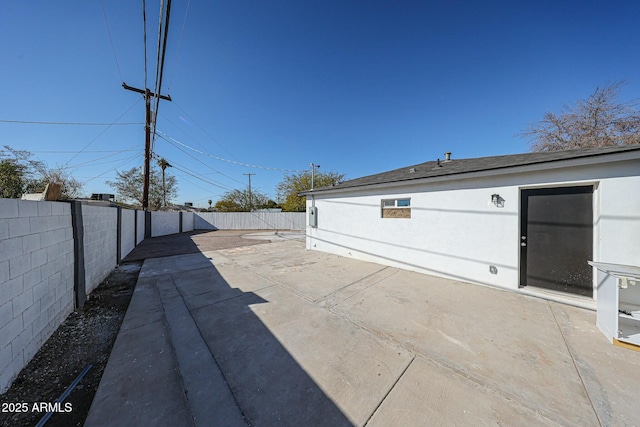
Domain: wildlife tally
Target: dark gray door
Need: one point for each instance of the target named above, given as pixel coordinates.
(556, 239)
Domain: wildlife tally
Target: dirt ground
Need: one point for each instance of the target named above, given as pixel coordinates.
(87, 335)
(85, 338)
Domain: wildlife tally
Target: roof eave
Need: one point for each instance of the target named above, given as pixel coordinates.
(503, 170)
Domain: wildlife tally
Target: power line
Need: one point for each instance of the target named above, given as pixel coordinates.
(74, 152)
(102, 163)
(184, 22)
(27, 122)
(203, 130)
(106, 21)
(179, 167)
(111, 169)
(144, 39)
(162, 51)
(165, 136)
(224, 187)
(100, 158)
(200, 161)
(101, 133)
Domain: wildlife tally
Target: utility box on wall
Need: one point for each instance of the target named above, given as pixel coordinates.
(313, 217)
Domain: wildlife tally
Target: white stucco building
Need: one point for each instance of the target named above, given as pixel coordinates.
(525, 222)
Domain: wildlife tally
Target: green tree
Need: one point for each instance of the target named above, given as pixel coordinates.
(238, 201)
(12, 179)
(598, 121)
(291, 185)
(128, 185)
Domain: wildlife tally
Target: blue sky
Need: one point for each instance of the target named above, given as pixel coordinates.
(358, 87)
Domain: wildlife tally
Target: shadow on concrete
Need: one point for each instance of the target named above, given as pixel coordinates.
(203, 311)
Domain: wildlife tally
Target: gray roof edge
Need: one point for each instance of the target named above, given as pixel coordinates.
(594, 156)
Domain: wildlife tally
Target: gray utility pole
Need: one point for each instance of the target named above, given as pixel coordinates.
(250, 200)
(313, 172)
(147, 140)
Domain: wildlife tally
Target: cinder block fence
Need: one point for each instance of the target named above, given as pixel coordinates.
(54, 254)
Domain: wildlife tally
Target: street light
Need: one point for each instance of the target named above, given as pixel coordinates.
(313, 172)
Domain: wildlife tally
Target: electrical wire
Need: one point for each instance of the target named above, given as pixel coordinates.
(217, 194)
(106, 21)
(138, 152)
(177, 167)
(111, 169)
(102, 133)
(200, 161)
(162, 51)
(104, 157)
(27, 122)
(74, 152)
(203, 130)
(144, 38)
(184, 22)
(167, 137)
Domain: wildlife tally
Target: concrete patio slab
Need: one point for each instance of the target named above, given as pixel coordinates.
(274, 345)
(311, 277)
(272, 334)
(509, 343)
(432, 395)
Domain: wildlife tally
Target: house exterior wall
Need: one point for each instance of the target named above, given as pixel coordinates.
(456, 232)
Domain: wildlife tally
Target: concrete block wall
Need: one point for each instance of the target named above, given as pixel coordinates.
(36, 278)
(100, 243)
(140, 220)
(250, 221)
(37, 267)
(127, 232)
(187, 221)
(163, 223)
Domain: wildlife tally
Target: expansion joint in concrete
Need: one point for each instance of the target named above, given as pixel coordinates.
(209, 349)
(575, 364)
(406, 368)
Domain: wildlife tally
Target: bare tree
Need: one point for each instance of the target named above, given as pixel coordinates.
(598, 121)
(32, 176)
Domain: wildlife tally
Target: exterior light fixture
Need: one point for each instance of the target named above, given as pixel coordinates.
(497, 200)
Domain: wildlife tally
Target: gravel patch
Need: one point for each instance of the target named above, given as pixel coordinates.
(85, 338)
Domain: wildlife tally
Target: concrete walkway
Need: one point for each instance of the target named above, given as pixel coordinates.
(271, 335)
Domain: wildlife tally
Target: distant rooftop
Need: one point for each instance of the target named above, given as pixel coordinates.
(440, 168)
